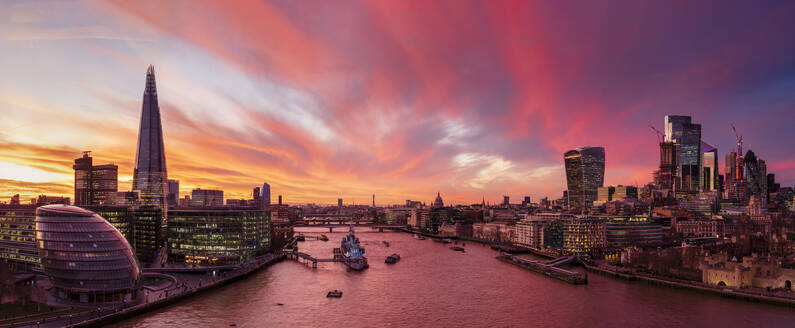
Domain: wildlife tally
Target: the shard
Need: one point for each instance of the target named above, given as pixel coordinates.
(149, 178)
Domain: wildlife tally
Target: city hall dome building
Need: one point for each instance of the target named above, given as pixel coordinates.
(85, 257)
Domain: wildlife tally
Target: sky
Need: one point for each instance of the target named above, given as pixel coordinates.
(401, 99)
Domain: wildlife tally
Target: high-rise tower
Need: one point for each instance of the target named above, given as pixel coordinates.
(149, 178)
(585, 173)
(686, 137)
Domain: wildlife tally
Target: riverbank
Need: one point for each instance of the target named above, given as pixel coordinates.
(104, 319)
(623, 274)
(574, 278)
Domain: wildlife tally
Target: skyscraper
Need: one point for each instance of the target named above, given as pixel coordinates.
(669, 161)
(709, 167)
(173, 192)
(149, 177)
(686, 137)
(265, 196)
(585, 173)
(755, 177)
(94, 184)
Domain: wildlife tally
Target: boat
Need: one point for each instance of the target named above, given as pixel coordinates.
(392, 259)
(457, 248)
(334, 293)
(301, 237)
(418, 236)
(386, 243)
(447, 240)
(323, 238)
(352, 252)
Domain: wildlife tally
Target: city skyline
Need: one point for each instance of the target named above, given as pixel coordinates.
(487, 124)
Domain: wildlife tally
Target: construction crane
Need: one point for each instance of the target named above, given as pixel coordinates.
(739, 161)
(660, 135)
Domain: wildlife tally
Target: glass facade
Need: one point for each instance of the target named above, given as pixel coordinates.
(85, 257)
(686, 137)
(148, 232)
(755, 177)
(217, 236)
(583, 235)
(150, 179)
(120, 217)
(18, 238)
(585, 173)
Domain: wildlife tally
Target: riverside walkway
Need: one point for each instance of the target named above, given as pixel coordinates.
(186, 286)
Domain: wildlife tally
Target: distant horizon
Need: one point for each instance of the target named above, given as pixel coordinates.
(347, 100)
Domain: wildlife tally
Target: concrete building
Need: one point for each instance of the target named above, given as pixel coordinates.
(18, 250)
(583, 235)
(94, 184)
(173, 192)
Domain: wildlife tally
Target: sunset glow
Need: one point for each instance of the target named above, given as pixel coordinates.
(401, 99)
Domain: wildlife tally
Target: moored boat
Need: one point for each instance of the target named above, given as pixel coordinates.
(353, 253)
(419, 236)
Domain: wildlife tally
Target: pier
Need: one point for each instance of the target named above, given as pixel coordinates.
(549, 269)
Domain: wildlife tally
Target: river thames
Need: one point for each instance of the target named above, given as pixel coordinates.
(433, 286)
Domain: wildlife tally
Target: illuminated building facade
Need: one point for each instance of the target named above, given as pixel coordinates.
(148, 232)
(18, 250)
(585, 173)
(217, 236)
(686, 137)
(669, 161)
(85, 257)
(120, 217)
(709, 164)
(583, 235)
(150, 179)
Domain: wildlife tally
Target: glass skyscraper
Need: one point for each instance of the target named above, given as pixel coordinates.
(686, 137)
(149, 177)
(585, 173)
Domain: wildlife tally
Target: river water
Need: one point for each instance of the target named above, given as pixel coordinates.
(433, 286)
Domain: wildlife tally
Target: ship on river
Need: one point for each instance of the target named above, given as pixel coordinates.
(353, 252)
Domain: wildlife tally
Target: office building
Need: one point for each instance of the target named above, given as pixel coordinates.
(583, 235)
(755, 177)
(149, 176)
(709, 164)
(18, 250)
(265, 196)
(148, 232)
(206, 197)
(217, 236)
(94, 184)
(173, 192)
(686, 137)
(85, 257)
(669, 161)
(585, 173)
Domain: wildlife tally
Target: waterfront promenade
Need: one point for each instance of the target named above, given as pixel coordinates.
(185, 285)
(748, 294)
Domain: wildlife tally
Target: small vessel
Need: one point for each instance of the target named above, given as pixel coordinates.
(386, 243)
(323, 238)
(392, 259)
(419, 236)
(447, 240)
(334, 293)
(352, 252)
(457, 248)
